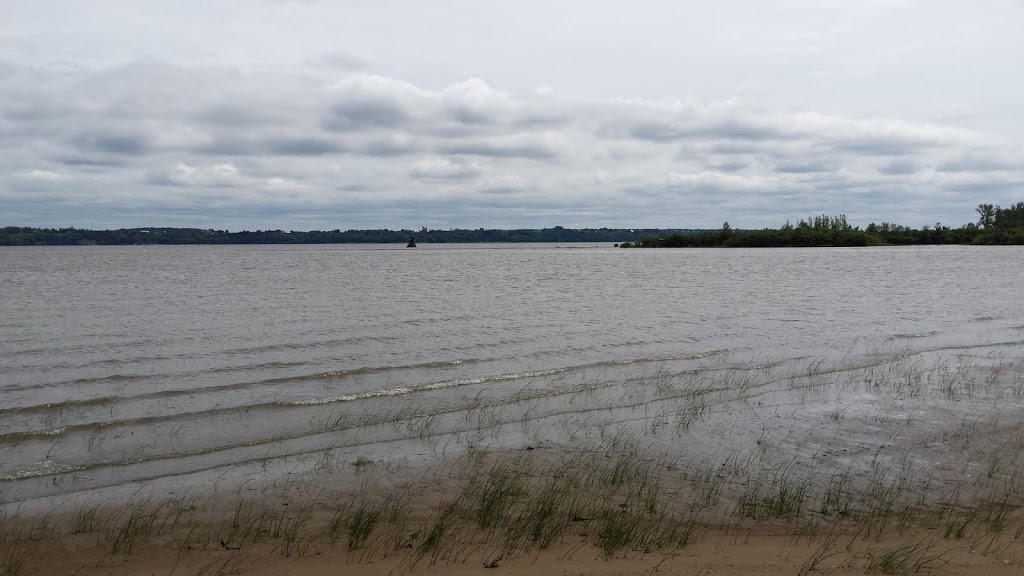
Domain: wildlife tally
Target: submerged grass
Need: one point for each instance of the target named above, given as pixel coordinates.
(836, 454)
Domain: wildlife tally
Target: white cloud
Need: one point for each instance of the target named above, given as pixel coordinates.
(717, 181)
(43, 176)
(443, 169)
(209, 176)
(30, 181)
(473, 101)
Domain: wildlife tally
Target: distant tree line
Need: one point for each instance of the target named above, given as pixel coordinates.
(996, 225)
(23, 236)
(1001, 225)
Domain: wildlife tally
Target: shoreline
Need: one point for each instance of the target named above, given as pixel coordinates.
(897, 463)
(606, 510)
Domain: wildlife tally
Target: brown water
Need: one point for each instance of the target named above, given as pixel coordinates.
(200, 364)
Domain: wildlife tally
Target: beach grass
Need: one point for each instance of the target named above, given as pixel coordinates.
(890, 465)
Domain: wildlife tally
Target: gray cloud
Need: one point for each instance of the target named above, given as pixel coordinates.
(230, 146)
(230, 115)
(807, 167)
(125, 144)
(87, 161)
(108, 124)
(507, 184)
(726, 129)
(881, 146)
(500, 150)
(303, 146)
(364, 114)
(730, 166)
(899, 168)
(987, 161)
(388, 145)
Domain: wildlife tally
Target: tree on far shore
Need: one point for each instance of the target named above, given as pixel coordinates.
(987, 213)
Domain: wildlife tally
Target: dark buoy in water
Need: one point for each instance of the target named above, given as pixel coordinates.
(412, 243)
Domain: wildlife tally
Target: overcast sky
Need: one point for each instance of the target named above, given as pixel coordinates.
(467, 113)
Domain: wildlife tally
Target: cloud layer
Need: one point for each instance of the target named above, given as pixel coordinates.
(333, 143)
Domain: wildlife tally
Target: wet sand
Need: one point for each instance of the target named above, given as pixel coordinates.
(720, 553)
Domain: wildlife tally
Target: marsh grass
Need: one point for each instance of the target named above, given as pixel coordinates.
(496, 496)
(783, 498)
(21, 539)
(137, 527)
(360, 524)
(19, 552)
(828, 452)
(825, 551)
(908, 558)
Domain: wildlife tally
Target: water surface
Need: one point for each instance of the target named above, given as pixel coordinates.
(141, 362)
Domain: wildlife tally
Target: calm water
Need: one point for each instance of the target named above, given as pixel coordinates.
(136, 363)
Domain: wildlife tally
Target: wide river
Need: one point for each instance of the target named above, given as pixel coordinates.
(139, 363)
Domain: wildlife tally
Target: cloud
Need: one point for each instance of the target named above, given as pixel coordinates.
(367, 101)
(507, 184)
(36, 181)
(982, 161)
(231, 116)
(719, 182)
(546, 145)
(183, 174)
(475, 102)
(385, 145)
(119, 144)
(727, 129)
(807, 167)
(899, 168)
(339, 61)
(338, 146)
(224, 175)
(881, 145)
(444, 169)
(303, 146)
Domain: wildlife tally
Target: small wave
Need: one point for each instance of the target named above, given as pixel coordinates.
(912, 335)
(46, 468)
(369, 370)
(20, 387)
(21, 436)
(122, 361)
(247, 367)
(627, 361)
(114, 378)
(401, 390)
(63, 405)
(89, 402)
(396, 391)
(111, 378)
(304, 345)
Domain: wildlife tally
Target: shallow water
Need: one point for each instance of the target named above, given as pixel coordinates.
(140, 363)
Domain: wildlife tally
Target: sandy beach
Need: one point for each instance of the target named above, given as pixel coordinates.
(537, 510)
(718, 554)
